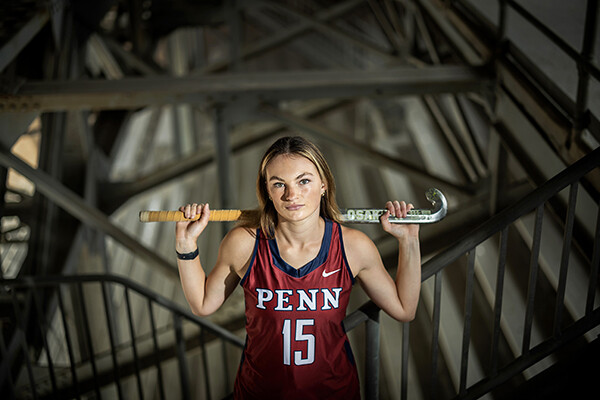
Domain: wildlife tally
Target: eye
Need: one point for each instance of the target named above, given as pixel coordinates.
(304, 181)
(278, 185)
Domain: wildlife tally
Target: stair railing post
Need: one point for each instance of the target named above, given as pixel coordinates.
(372, 357)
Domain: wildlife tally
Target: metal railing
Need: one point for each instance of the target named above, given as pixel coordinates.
(499, 224)
(369, 315)
(562, 333)
(54, 350)
(65, 342)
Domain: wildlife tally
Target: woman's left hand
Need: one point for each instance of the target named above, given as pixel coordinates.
(398, 209)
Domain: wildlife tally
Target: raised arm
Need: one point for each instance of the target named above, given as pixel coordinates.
(205, 294)
(399, 297)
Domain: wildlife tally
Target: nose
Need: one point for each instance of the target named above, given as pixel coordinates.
(290, 193)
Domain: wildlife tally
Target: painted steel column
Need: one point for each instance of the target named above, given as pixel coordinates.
(223, 156)
(233, 18)
(372, 358)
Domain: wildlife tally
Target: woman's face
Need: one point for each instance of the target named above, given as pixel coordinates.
(294, 186)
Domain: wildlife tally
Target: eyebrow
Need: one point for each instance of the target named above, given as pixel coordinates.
(276, 178)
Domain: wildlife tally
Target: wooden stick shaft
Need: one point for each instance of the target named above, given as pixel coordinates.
(175, 216)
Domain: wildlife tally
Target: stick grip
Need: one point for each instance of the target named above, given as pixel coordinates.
(176, 216)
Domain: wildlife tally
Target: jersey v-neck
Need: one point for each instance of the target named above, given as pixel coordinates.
(311, 265)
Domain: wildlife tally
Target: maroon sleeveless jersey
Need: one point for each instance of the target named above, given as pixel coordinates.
(296, 347)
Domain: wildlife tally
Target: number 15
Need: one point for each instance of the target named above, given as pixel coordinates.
(299, 337)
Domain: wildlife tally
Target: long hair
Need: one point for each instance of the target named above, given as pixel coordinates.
(265, 217)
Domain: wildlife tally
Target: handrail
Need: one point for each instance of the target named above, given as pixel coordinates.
(368, 314)
(30, 282)
(466, 245)
(38, 335)
(501, 220)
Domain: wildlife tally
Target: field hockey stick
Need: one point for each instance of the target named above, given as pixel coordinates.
(349, 215)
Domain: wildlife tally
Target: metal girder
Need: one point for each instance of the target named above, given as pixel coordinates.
(330, 30)
(386, 22)
(76, 206)
(369, 155)
(13, 47)
(223, 158)
(463, 47)
(286, 35)
(102, 58)
(469, 155)
(234, 21)
(537, 95)
(132, 93)
(114, 194)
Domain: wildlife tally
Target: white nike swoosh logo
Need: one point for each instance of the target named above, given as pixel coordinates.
(326, 274)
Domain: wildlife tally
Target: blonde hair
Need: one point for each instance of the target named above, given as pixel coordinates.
(265, 217)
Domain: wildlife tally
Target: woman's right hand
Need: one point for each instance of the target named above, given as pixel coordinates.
(187, 232)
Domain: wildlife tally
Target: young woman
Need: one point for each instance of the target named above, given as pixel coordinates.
(297, 265)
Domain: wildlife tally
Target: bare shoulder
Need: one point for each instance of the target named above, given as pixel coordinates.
(360, 249)
(237, 247)
(239, 240)
(354, 237)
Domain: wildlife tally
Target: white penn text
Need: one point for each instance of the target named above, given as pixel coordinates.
(302, 300)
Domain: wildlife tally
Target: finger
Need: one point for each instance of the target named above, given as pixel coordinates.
(193, 210)
(403, 209)
(397, 209)
(389, 206)
(384, 219)
(199, 210)
(204, 213)
(190, 210)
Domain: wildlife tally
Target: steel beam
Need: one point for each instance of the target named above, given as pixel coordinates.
(330, 30)
(13, 47)
(469, 154)
(281, 37)
(114, 194)
(236, 38)
(386, 26)
(131, 93)
(76, 206)
(463, 47)
(223, 156)
(368, 155)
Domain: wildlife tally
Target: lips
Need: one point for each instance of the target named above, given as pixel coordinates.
(294, 207)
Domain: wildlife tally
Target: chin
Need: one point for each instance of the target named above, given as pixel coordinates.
(302, 214)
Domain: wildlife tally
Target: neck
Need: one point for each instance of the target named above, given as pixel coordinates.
(298, 233)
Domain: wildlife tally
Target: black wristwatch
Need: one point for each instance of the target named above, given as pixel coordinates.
(187, 256)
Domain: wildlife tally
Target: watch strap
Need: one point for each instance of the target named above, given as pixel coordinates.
(187, 256)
